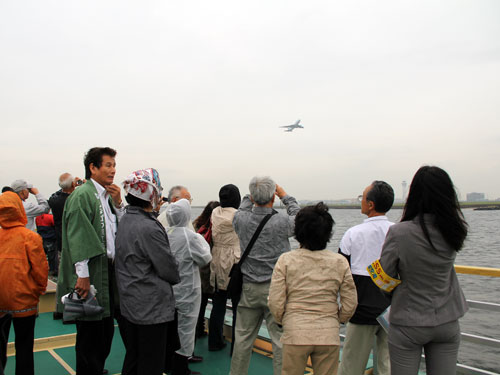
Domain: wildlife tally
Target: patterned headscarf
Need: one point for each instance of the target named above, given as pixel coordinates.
(144, 184)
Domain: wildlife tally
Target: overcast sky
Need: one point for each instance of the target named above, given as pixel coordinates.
(198, 89)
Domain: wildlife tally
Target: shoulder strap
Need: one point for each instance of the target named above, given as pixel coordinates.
(255, 236)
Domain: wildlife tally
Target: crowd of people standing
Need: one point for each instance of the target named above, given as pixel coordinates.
(153, 270)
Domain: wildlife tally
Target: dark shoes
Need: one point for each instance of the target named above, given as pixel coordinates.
(216, 348)
(195, 359)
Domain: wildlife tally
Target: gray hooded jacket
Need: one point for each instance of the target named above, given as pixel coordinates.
(145, 269)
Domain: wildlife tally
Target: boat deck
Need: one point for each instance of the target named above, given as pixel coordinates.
(55, 352)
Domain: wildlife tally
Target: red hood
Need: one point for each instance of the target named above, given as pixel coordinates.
(12, 212)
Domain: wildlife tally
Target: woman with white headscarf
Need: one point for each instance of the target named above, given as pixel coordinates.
(145, 272)
(191, 251)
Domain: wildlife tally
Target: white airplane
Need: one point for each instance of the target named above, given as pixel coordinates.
(290, 128)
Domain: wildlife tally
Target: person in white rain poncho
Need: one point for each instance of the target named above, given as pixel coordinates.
(191, 251)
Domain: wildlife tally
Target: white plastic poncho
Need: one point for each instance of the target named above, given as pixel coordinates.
(191, 251)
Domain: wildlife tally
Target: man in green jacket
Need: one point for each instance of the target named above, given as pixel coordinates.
(90, 219)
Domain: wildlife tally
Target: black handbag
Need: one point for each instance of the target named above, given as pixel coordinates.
(235, 285)
(76, 307)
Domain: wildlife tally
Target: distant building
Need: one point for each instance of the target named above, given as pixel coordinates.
(404, 185)
(475, 197)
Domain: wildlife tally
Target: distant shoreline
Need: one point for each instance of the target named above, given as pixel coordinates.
(400, 206)
(397, 206)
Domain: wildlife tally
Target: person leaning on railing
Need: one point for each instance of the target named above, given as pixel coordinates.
(420, 251)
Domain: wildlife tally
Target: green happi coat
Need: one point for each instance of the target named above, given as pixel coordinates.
(84, 237)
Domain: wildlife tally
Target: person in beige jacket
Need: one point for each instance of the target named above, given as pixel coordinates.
(225, 253)
(303, 296)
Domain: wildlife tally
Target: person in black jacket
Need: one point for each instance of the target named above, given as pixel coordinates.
(67, 183)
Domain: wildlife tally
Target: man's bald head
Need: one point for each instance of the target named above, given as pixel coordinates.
(66, 182)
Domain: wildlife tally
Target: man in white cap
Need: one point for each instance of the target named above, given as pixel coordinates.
(23, 189)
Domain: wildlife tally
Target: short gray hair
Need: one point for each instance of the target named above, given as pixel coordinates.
(67, 182)
(262, 189)
(174, 190)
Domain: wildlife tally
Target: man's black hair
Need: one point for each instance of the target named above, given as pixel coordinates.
(94, 156)
(382, 196)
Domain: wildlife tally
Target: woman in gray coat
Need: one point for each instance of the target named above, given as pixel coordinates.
(145, 272)
(420, 251)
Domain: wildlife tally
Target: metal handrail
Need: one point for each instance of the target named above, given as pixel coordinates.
(489, 306)
(484, 305)
(482, 271)
(481, 340)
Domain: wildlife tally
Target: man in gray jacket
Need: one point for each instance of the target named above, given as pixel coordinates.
(258, 267)
(23, 189)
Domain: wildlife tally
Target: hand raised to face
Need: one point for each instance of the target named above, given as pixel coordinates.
(115, 192)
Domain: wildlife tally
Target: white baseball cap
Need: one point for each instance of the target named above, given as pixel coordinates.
(20, 185)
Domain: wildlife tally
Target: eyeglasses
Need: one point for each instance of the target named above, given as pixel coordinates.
(190, 199)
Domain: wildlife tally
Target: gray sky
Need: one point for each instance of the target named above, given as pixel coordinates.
(197, 90)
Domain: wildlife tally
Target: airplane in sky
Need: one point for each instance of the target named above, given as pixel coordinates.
(290, 128)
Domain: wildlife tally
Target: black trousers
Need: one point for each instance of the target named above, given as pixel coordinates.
(215, 328)
(50, 247)
(200, 325)
(146, 347)
(93, 344)
(4, 340)
(94, 338)
(173, 344)
(24, 329)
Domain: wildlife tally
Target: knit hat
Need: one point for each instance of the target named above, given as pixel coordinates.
(229, 196)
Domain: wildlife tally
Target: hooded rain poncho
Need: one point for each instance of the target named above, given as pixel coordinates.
(191, 251)
(23, 264)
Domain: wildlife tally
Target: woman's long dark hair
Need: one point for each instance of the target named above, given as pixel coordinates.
(204, 218)
(432, 192)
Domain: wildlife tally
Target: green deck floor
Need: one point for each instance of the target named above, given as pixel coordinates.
(46, 361)
(214, 363)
